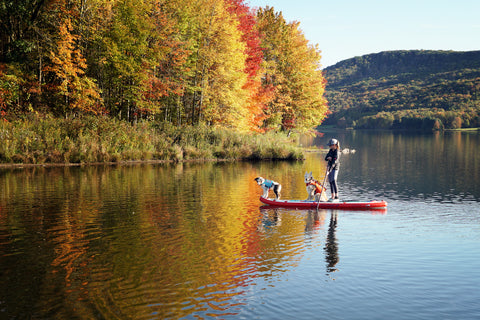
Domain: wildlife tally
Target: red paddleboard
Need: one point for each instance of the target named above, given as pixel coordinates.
(343, 205)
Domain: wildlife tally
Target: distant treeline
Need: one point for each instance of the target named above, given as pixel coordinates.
(425, 90)
(184, 62)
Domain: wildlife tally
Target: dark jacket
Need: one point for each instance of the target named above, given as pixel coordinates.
(333, 164)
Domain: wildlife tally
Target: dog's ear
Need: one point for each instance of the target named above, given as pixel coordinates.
(308, 176)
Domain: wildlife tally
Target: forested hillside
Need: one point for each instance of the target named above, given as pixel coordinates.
(405, 90)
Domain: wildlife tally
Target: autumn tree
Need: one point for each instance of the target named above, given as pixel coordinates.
(222, 62)
(292, 67)
(215, 62)
(140, 59)
(122, 60)
(66, 67)
(213, 90)
(42, 48)
(166, 77)
(258, 96)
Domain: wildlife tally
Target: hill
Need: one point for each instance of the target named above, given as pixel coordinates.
(405, 89)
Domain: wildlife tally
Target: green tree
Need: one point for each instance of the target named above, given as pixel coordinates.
(124, 57)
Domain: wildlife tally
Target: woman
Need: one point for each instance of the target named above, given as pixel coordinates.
(333, 166)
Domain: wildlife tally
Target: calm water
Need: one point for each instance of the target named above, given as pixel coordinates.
(192, 240)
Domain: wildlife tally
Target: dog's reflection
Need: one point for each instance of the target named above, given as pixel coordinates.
(271, 218)
(315, 219)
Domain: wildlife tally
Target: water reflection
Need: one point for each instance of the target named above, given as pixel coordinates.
(314, 222)
(184, 240)
(331, 244)
(141, 241)
(271, 218)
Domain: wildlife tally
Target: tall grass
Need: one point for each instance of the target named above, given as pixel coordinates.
(91, 139)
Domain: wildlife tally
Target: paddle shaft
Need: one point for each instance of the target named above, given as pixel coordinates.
(323, 187)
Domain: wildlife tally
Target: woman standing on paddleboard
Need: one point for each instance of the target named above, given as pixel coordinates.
(333, 166)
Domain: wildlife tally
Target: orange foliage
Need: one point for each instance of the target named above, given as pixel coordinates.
(259, 96)
(67, 64)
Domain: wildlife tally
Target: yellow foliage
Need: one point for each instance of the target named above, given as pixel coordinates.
(292, 66)
(68, 65)
(221, 67)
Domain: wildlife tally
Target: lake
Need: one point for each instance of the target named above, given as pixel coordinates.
(192, 240)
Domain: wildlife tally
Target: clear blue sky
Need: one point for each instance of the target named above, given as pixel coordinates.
(344, 29)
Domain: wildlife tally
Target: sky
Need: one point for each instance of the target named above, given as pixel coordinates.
(345, 29)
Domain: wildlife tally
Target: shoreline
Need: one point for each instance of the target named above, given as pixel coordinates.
(128, 163)
(331, 128)
(87, 140)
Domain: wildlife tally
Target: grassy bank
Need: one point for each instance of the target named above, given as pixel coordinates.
(39, 140)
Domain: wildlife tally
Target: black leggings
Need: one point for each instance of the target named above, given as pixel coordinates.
(332, 178)
(333, 186)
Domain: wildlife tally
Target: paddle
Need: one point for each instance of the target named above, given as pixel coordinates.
(323, 187)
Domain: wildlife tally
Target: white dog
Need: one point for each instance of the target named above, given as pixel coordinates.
(314, 189)
(267, 185)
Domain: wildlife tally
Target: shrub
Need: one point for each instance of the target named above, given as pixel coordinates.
(87, 139)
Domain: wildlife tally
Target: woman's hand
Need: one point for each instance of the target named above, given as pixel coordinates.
(329, 158)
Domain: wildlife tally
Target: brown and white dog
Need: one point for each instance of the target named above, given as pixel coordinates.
(267, 185)
(314, 189)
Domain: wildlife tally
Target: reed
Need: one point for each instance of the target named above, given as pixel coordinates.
(88, 139)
